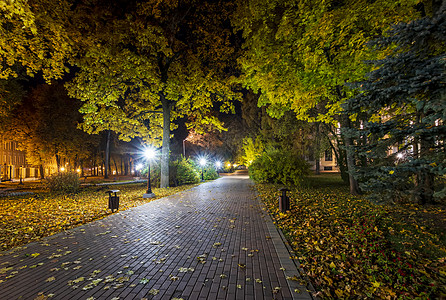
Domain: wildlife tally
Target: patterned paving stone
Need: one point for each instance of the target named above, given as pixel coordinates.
(214, 241)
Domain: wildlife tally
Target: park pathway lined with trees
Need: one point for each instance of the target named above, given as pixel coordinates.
(214, 241)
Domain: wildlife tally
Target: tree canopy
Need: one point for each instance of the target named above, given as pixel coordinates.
(158, 62)
(35, 35)
(299, 54)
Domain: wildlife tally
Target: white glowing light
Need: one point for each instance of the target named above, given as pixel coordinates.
(202, 162)
(149, 153)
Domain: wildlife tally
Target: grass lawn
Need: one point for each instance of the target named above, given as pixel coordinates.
(350, 248)
(24, 219)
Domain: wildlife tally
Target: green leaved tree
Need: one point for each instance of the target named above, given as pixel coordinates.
(300, 54)
(151, 63)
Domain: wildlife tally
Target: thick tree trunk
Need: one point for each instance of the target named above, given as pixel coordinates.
(354, 188)
(351, 166)
(42, 171)
(107, 153)
(166, 143)
(424, 179)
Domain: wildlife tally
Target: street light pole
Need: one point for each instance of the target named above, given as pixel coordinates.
(202, 163)
(149, 153)
(149, 185)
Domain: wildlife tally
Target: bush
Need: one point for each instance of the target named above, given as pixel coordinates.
(279, 166)
(210, 173)
(181, 171)
(186, 172)
(63, 182)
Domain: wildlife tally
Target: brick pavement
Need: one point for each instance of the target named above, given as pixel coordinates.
(214, 241)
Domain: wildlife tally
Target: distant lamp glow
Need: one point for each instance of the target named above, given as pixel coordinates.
(149, 154)
(218, 164)
(62, 169)
(138, 167)
(78, 170)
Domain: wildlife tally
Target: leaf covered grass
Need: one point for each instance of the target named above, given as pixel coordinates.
(24, 219)
(351, 248)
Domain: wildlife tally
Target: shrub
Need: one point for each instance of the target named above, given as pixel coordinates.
(279, 166)
(63, 182)
(210, 173)
(181, 171)
(186, 172)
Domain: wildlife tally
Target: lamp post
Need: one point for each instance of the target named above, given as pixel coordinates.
(202, 164)
(218, 165)
(149, 153)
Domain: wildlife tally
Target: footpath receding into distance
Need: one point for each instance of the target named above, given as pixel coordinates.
(214, 241)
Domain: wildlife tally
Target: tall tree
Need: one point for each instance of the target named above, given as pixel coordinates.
(403, 106)
(160, 61)
(299, 54)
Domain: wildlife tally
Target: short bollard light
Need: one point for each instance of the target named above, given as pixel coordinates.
(113, 200)
(284, 200)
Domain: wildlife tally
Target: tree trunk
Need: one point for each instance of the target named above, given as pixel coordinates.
(107, 153)
(317, 157)
(354, 188)
(116, 165)
(424, 179)
(350, 158)
(58, 162)
(166, 143)
(42, 171)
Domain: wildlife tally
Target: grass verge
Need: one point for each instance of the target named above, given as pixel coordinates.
(351, 248)
(24, 219)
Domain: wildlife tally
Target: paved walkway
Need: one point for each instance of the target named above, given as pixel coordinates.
(214, 241)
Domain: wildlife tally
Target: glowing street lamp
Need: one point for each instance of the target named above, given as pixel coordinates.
(149, 154)
(202, 164)
(218, 165)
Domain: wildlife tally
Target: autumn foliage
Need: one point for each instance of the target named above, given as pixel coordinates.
(351, 248)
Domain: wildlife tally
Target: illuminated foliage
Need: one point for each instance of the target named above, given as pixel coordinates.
(167, 57)
(33, 34)
(300, 54)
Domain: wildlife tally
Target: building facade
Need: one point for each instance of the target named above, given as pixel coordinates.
(13, 163)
